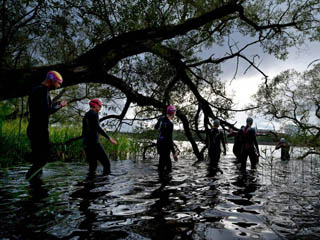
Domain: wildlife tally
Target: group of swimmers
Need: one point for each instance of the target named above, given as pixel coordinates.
(41, 107)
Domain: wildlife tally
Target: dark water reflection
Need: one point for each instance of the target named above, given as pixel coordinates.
(278, 201)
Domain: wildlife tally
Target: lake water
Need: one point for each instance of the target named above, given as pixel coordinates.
(278, 201)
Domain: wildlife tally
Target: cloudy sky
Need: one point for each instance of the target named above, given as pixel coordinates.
(246, 85)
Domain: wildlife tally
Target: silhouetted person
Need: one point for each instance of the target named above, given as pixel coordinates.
(90, 133)
(40, 109)
(165, 143)
(237, 144)
(216, 138)
(285, 148)
(249, 145)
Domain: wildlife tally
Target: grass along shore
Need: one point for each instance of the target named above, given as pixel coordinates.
(15, 146)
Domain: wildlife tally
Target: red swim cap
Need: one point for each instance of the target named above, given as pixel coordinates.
(171, 109)
(54, 75)
(95, 101)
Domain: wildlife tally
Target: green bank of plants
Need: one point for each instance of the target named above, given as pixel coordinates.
(15, 146)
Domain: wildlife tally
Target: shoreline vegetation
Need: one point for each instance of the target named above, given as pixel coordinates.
(15, 146)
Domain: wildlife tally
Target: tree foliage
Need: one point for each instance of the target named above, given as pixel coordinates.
(293, 99)
(147, 53)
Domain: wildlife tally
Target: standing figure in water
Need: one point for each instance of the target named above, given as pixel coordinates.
(237, 144)
(249, 146)
(90, 133)
(40, 109)
(285, 148)
(165, 143)
(216, 138)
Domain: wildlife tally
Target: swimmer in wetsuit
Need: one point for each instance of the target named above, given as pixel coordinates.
(216, 138)
(249, 145)
(90, 133)
(40, 109)
(165, 143)
(285, 148)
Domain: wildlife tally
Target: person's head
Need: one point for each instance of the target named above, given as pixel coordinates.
(216, 123)
(249, 121)
(95, 104)
(53, 80)
(171, 111)
(282, 140)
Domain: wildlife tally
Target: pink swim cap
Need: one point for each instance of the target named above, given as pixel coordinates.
(171, 109)
(95, 101)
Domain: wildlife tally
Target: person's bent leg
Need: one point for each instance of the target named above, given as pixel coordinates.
(244, 157)
(211, 157)
(40, 154)
(253, 159)
(214, 158)
(167, 162)
(104, 160)
(91, 158)
(161, 165)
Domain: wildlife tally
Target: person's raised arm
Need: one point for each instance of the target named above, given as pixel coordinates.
(56, 106)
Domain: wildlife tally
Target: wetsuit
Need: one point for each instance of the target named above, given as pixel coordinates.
(285, 148)
(165, 145)
(93, 149)
(237, 146)
(40, 108)
(216, 137)
(249, 147)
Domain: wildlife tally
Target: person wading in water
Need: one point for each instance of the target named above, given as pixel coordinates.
(285, 148)
(236, 149)
(216, 138)
(249, 145)
(40, 109)
(90, 133)
(165, 143)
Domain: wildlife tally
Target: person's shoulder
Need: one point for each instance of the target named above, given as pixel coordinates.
(253, 130)
(91, 113)
(165, 119)
(85, 116)
(38, 88)
(215, 131)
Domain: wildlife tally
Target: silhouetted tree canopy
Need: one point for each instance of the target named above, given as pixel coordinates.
(147, 52)
(293, 99)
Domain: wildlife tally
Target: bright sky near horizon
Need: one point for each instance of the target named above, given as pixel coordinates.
(244, 86)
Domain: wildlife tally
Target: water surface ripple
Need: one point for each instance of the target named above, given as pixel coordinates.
(278, 201)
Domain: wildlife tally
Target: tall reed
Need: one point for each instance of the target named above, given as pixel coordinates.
(15, 145)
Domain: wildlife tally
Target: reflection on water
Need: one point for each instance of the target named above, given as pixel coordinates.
(278, 201)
